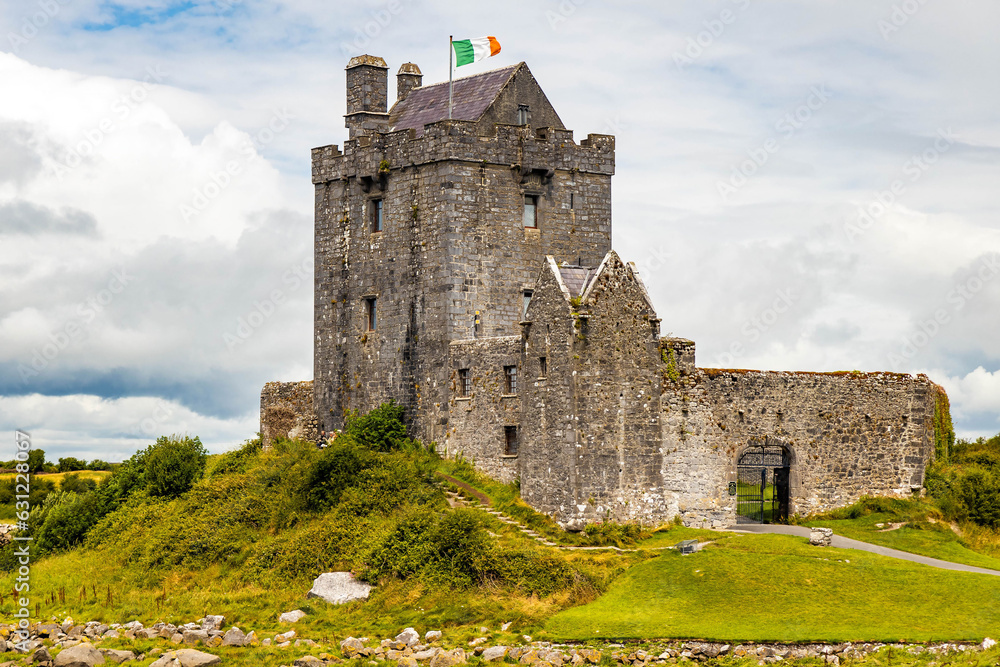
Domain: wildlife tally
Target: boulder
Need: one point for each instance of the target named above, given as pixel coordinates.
(251, 639)
(339, 588)
(81, 655)
(212, 622)
(116, 656)
(495, 654)
(166, 660)
(989, 643)
(192, 637)
(449, 658)
(432, 636)
(234, 637)
(188, 657)
(406, 661)
(40, 656)
(284, 637)
(309, 661)
(351, 647)
(292, 617)
(409, 637)
(820, 537)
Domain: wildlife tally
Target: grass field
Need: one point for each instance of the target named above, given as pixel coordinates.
(57, 477)
(936, 541)
(777, 588)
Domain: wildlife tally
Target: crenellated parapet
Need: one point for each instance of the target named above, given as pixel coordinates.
(523, 150)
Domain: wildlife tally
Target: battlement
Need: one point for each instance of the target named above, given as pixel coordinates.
(516, 146)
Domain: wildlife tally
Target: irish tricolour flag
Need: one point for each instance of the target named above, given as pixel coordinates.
(469, 51)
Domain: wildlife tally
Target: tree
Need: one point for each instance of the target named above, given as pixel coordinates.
(173, 465)
(36, 460)
(71, 464)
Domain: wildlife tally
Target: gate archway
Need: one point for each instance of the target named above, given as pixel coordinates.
(762, 484)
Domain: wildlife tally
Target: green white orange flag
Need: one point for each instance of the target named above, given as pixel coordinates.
(468, 51)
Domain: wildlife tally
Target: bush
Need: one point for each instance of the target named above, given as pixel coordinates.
(452, 550)
(37, 493)
(237, 460)
(73, 483)
(64, 519)
(173, 465)
(71, 464)
(381, 430)
(607, 533)
(979, 492)
(336, 469)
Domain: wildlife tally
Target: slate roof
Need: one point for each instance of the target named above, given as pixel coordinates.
(471, 97)
(576, 278)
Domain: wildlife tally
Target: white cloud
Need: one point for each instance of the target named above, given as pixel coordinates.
(225, 74)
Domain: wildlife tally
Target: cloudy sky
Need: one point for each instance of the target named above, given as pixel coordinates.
(806, 185)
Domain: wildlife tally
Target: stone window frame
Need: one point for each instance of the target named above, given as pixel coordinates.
(543, 367)
(463, 384)
(526, 295)
(510, 380)
(536, 199)
(371, 313)
(511, 436)
(376, 215)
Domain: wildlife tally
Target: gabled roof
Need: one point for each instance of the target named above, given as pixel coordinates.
(471, 97)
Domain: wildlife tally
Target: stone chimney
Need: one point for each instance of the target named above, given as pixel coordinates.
(367, 95)
(407, 78)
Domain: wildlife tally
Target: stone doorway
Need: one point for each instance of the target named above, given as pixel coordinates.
(762, 484)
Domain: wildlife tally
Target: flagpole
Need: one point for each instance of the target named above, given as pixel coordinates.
(451, 53)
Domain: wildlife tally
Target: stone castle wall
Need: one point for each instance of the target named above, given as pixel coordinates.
(453, 259)
(286, 411)
(476, 422)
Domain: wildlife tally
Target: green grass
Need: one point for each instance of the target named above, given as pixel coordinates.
(669, 536)
(926, 539)
(778, 588)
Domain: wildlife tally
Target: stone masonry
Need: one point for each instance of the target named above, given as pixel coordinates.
(464, 269)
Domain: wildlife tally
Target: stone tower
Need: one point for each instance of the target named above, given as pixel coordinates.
(430, 231)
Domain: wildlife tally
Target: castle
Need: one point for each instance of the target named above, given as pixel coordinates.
(463, 267)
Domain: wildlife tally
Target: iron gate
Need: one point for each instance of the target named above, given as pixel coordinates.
(762, 485)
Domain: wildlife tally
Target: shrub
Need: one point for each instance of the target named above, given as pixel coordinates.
(173, 465)
(381, 430)
(336, 469)
(237, 460)
(73, 483)
(979, 492)
(71, 464)
(64, 520)
(609, 532)
(98, 464)
(37, 492)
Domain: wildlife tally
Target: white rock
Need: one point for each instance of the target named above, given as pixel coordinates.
(81, 655)
(989, 643)
(409, 636)
(432, 636)
(292, 616)
(234, 637)
(339, 588)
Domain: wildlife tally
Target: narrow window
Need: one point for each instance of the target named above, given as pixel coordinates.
(530, 211)
(572, 200)
(510, 440)
(510, 379)
(464, 383)
(525, 302)
(376, 215)
(523, 111)
(543, 367)
(370, 313)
